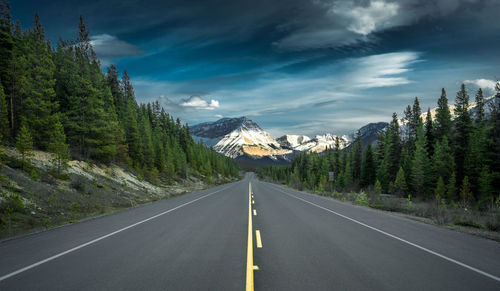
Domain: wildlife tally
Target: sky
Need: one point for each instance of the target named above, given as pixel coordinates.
(293, 66)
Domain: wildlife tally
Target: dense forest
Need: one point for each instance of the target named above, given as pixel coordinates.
(453, 157)
(57, 99)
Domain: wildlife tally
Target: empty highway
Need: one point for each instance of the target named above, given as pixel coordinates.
(249, 235)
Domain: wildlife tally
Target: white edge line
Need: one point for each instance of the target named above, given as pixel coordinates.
(398, 238)
(101, 238)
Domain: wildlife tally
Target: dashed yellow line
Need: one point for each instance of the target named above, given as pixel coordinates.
(253, 201)
(250, 266)
(259, 241)
(254, 212)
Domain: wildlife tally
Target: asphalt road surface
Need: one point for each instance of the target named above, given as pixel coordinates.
(247, 235)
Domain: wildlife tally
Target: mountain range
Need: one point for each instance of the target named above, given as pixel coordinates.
(243, 139)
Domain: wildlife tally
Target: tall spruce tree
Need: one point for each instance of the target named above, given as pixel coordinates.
(443, 121)
(420, 165)
(357, 156)
(368, 169)
(479, 107)
(38, 105)
(429, 133)
(463, 129)
(4, 117)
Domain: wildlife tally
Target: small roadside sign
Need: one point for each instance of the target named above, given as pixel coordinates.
(330, 176)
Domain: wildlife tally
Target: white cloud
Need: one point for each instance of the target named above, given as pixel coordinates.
(218, 116)
(485, 84)
(364, 20)
(382, 70)
(108, 46)
(196, 102)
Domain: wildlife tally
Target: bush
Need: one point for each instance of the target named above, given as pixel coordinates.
(362, 199)
(13, 201)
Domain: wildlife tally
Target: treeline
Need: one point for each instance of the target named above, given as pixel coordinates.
(451, 158)
(57, 99)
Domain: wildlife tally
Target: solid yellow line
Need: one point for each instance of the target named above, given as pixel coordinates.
(257, 236)
(255, 212)
(250, 266)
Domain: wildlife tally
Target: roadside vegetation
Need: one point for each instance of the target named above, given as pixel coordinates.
(56, 99)
(446, 168)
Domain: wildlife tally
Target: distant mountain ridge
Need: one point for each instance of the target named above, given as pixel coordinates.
(242, 138)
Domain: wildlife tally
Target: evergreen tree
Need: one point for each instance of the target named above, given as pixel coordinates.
(443, 163)
(368, 169)
(59, 147)
(399, 186)
(443, 117)
(440, 191)
(485, 191)
(378, 187)
(4, 116)
(357, 156)
(463, 129)
(6, 44)
(392, 148)
(465, 192)
(429, 133)
(24, 144)
(420, 166)
(451, 190)
(479, 106)
(38, 104)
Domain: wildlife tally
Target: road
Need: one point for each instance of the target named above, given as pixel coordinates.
(250, 235)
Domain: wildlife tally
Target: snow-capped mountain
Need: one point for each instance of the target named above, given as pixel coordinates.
(317, 144)
(242, 137)
(236, 137)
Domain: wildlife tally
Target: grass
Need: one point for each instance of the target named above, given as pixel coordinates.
(442, 213)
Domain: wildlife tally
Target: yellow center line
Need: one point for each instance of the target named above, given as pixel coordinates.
(253, 201)
(250, 266)
(257, 236)
(254, 212)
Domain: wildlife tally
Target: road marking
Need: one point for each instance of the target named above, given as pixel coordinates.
(250, 266)
(101, 238)
(254, 212)
(253, 201)
(398, 238)
(257, 236)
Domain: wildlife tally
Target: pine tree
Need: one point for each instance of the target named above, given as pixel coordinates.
(485, 191)
(368, 169)
(420, 166)
(443, 163)
(59, 147)
(4, 117)
(38, 104)
(429, 133)
(399, 186)
(357, 156)
(378, 187)
(440, 190)
(392, 155)
(463, 129)
(443, 121)
(451, 190)
(415, 123)
(479, 106)
(24, 144)
(6, 44)
(465, 192)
